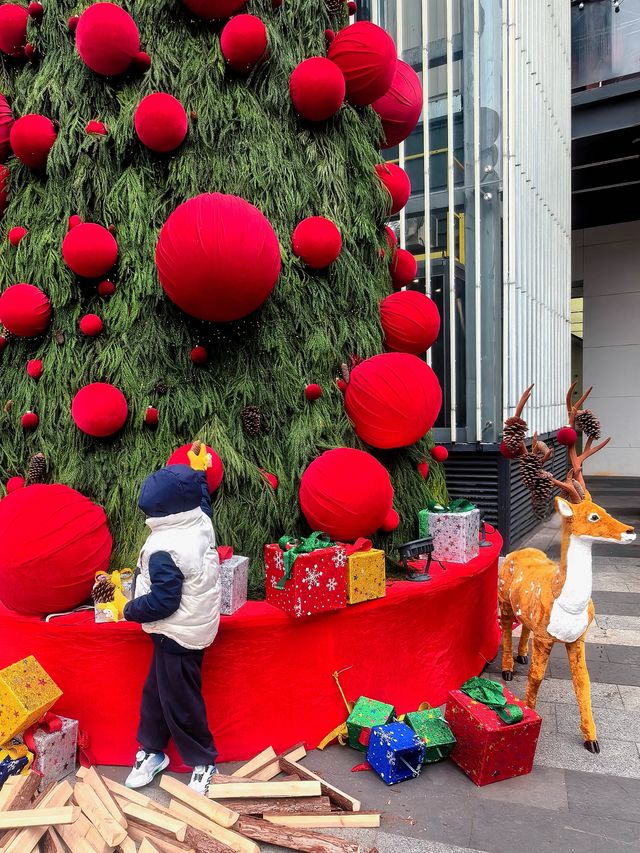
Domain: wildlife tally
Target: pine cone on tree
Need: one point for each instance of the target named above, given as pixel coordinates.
(251, 417)
(514, 432)
(589, 424)
(334, 6)
(37, 469)
(541, 491)
(530, 468)
(103, 590)
(161, 389)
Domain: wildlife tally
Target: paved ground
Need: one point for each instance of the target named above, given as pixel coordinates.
(573, 801)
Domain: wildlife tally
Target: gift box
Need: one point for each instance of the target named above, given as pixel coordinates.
(395, 753)
(366, 578)
(366, 714)
(15, 760)
(234, 577)
(26, 694)
(487, 748)
(317, 581)
(432, 728)
(54, 744)
(456, 535)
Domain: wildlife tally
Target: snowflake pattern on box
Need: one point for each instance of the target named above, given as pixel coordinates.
(395, 752)
(316, 584)
(312, 577)
(234, 577)
(332, 584)
(340, 559)
(456, 535)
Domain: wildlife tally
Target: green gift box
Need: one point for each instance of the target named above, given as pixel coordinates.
(366, 714)
(434, 730)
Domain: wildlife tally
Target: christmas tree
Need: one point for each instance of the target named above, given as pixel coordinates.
(236, 379)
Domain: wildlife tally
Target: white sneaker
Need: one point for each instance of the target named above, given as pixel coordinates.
(147, 766)
(201, 778)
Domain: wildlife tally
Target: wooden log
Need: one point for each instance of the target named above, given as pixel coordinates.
(267, 755)
(127, 846)
(39, 817)
(295, 839)
(51, 843)
(148, 847)
(285, 805)
(164, 844)
(76, 837)
(241, 790)
(26, 840)
(91, 805)
(93, 778)
(272, 768)
(225, 836)
(156, 821)
(204, 843)
(358, 820)
(344, 801)
(210, 809)
(84, 826)
(18, 791)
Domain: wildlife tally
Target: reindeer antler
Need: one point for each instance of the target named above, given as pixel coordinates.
(576, 459)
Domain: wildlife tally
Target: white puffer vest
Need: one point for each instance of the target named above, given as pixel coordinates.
(190, 540)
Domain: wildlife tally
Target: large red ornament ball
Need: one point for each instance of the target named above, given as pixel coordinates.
(14, 483)
(243, 42)
(317, 88)
(16, 234)
(567, 436)
(6, 123)
(99, 409)
(439, 453)
(25, 310)
(32, 138)
(91, 325)
(89, 250)
(399, 109)
(392, 399)
(214, 474)
(68, 542)
(212, 10)
(366, 55)
(4, 193)
(13, 29)
(218, 257)
(404, 268)
(107, 39)
(346, 493)
(161, 122)
(317, 241)
(396, 182)
(410, 321)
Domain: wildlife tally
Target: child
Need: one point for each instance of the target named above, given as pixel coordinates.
(177, 600)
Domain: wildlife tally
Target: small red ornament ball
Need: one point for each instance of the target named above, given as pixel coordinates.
(366, 55)
(31, 53)
(13, 29)
(391, 521)
(29, 420)
(567, 436)
(341, 385)
(34, 368)
(214, 474)
(3, 342)
(410, 321)
(317, 241)
(72, 23)
(36, 10)
(399, 109)
(313, 391)
(89, 250)
(91, 325)
(32, 138)
(107, 39)
(151, 416)
(392, 240)
(99, 409)
(16, 234)
(106, 289)
(404, 268)
(347, 493)
(4, 193)
(161, 122)
(73, 221)
(142, 61)
(396, 182)
(317, 89)
(14, 483)
(329, 36)
(199, 355)
(233, 252)
(352, 7)
(243, 42)
(392, 399)
(508, 454)
(6, 123)
(212, 10)
(25, 310)
(423, 469)
(96, 128)
(439, 453)
(271, 479)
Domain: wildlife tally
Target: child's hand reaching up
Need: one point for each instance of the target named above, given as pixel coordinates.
(199, 459)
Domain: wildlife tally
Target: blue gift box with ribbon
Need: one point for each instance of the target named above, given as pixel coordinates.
(395, 752)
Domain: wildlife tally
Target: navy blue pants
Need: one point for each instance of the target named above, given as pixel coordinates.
(173, 707)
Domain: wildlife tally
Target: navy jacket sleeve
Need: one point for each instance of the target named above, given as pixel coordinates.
(165, 594)
(205, 501)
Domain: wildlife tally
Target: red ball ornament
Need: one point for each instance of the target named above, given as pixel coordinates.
(233, 252)
(4, 192)
(34, 368)
(404, 268)
(243, 42)
(400, 108)
(341, 385)
(410, 321)
(106, 288)
(329, 36)
(16, 234)
(439, 453)
(423, 469)
(391, 521)
(32, 138)
(13, 29)
(73, 221)
(392, 399)
(14, 483)
(99, 409)
(3, 342)
(142, 61)
(96, 127)
(91, 325)
(366, 55)
(317, 241)
(392, 240)
(161, 122)
(36, 10)
(271, 479)
(313, 392)
(214, 474)
(199, 355)
(72, 23)
(567, 436)
(151, 416)
(352, 7)
(506, 452)
(68, 542)
(25, 311)
(31, 53)
(6, 123)
(212, 10)
(317, 89)
(89, 250)
(346, 493)
(107, 39)
(396, 182)
(29, 420)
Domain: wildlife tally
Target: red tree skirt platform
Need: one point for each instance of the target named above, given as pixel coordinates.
(267, 678)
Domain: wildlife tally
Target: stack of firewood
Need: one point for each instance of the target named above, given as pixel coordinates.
(271, 799)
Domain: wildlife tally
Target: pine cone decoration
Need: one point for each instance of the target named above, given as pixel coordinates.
(589, 424)
(541, 491)
(514, 432)
(37, 469)
(334, 6)
(251, 417)
(530, 468)
(103, 590)
(161, 389)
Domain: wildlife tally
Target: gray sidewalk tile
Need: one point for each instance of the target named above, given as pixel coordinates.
(608, 796)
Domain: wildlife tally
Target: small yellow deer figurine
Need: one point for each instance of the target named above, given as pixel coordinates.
(552, 600)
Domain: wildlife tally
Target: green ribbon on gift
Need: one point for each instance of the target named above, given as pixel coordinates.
(457, 505)
(491, 694)
(300, 546)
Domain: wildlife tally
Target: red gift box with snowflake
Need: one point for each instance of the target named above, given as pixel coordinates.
(312, 582)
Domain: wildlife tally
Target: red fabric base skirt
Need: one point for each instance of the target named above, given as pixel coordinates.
(267, 677)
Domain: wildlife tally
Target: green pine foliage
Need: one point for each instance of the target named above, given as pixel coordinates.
(245, 139)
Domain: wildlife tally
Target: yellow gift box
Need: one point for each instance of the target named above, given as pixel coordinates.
(26, 694)
(365, 576)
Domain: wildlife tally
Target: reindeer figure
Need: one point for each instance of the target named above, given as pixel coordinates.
(553, 600)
